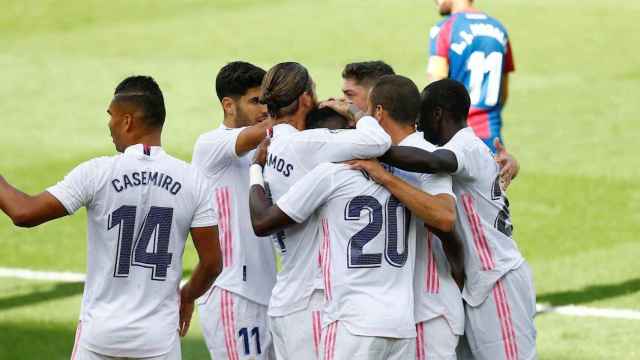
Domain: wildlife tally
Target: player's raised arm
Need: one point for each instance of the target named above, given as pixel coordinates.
(26, 210)
(266, 218)
(206, 271)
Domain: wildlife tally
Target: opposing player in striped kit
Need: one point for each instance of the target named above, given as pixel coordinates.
(233, 313)
(297, 297)
(141, 205)
(498, 292)
(439, 314)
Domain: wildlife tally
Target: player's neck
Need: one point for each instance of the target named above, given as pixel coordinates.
(462, 6)
(296, 120)
(148, 139)
(399, 133)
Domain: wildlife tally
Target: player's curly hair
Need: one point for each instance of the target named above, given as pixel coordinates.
(144, 93)
(236, 78)
(449, 95)
(366, 73)
(282, 86)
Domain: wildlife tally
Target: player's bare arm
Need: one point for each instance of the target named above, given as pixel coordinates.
(437, 68)
(454, 251)
(266, 218)
(26, 210)
(206, 271)
(251, 136)
(437, 211)
(418, 160)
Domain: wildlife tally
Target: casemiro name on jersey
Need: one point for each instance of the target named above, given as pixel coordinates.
(144, 178)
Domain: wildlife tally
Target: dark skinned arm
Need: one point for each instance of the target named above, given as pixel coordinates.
(266, 218)
(26, 210)
(205, 273)
(417, 160)
(454, 251)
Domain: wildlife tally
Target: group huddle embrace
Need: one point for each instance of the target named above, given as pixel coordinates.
(388, 213)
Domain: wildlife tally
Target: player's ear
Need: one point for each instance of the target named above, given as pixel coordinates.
(229, 106)
(127, 122)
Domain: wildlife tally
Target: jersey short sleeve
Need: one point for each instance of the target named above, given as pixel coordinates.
(367, 140)
(213, 152)
(77, 188)
(308, 194)
(459, 145)
(205, 213)
(436, 184)
(440, 38)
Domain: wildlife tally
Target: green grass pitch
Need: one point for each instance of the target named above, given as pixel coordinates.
(571, 120)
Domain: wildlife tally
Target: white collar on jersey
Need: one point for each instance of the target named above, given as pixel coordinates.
(144, 150)
(283, 129)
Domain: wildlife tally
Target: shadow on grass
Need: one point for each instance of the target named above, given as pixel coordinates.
(60, 290)
(41, 340)
(590, 293)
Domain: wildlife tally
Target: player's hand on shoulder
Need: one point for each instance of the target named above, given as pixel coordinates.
(373, 167)
(509, 166)
(260, 156)
(345, 108)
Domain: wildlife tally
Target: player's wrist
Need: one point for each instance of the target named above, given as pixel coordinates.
(255, 175)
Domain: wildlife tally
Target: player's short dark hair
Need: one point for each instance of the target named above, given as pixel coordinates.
(281, 87)
(145, 94)
(236, 78)
(399, 96)
(447, 94)
(327, 118)
(366, 73)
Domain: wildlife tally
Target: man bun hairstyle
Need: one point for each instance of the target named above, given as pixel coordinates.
(399, 96)
(236, 78)
(449, 95)
(366, 73)
(281, 87)
(144, 93)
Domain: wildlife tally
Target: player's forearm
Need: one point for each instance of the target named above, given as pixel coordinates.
(258, 209)
(454, 251)
(15, 204)
(201, 280)
(417, 160)
(251, 137)
(436, 211)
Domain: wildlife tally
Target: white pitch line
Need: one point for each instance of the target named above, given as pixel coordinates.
(65, 276)
(584, 311)
(567, 310)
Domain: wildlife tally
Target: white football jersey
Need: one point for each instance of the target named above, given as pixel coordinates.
(367, 249)
(436, 293)
(292, 154)
(249, 267)
(483, 221)
(140, 207)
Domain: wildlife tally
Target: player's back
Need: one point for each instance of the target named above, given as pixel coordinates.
(367, 252)
(248, 261)
(436, 293)
(478, 51)
(483, 221)
(140, 205)
(293, 154)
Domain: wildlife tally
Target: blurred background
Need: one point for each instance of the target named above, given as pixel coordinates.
(571, 120)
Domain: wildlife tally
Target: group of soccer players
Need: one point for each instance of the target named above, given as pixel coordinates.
(387, 208)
